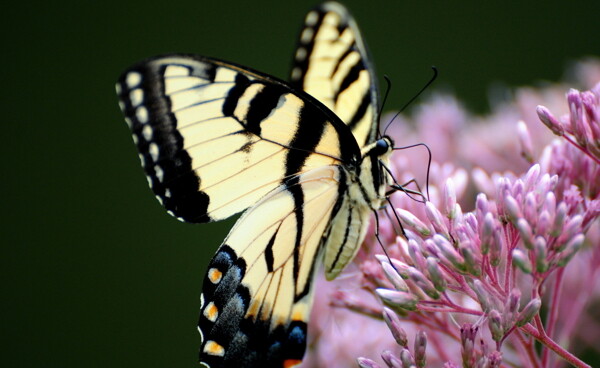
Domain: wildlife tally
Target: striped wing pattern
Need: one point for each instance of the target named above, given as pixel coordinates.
(332, 64)
(215, 138)
(256, 299)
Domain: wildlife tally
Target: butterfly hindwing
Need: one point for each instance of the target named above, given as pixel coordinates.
(214, 138)
(332, 64)
(256, 300)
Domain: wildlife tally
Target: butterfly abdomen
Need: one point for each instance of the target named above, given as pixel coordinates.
(366, 186)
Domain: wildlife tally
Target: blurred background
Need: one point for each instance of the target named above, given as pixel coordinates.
(96, 273)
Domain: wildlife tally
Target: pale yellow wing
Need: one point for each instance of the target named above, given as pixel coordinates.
(214, 138)
(332, 64)
(257, 293)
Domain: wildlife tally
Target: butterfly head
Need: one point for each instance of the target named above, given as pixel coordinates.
(378, 150)
(383, 147)
(374, 157)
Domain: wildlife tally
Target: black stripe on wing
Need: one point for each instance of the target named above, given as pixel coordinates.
(341, 27)
(167, 165)
(153, 107)
(230, 338)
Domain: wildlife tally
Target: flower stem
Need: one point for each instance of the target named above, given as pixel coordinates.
(550, 344)
(529, 349)
(582, 149)
(553, 312)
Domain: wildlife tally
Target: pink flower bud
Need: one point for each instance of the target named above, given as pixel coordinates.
(415, 254)
(504, 186)
(514, 300)
(420, 348)
(406, 358)
(397, 298)
(481, 204)
(571, 228)
(495, 323)
(482, 181)
(525, 141)
(511, 309)
(559, 219)
(367, 363)
(390, 359)
(547, 183)
(393, 323)
(550, 204)
(592, 114)
(578, 127)
(521, 261)
(449, 198)
(448, 252)
(422, 283)
(512, 208)
(468, 333)
(435, 274)
(472, 225)
(525, 232)
(434, 215)
(487, 233)
(457, 216)
(394, 277)
(413, 221)
(546, 117)
(496, 248)
(544, 223)
(530, 208)
(531, 177)
(570, 250)
(471, 263)
(518, 189)
(400, 267)
(531, 309)
(431, 248)
(483, 296)
(541, 254)
(495, 359)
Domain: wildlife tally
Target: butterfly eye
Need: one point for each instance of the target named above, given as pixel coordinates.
(381, 147)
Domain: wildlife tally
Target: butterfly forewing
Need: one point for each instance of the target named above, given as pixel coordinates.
(332, 64)
(214, 138)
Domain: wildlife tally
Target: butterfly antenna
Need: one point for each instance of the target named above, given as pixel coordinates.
(388, 83)
(431, 80)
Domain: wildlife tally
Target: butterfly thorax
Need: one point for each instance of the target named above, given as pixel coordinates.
(366, 187)
(373, 178)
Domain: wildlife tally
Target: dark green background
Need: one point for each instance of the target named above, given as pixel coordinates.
(95, 273)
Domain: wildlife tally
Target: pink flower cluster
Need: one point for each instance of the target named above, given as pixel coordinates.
(499, 266)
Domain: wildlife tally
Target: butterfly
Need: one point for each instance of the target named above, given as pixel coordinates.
(302, 160)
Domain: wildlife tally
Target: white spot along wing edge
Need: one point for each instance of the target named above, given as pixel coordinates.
(215, 137)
